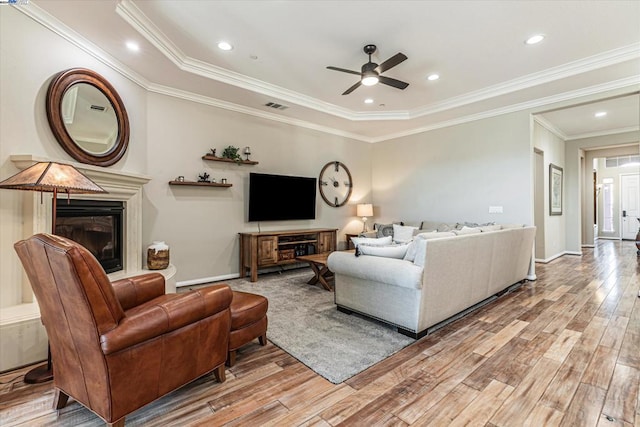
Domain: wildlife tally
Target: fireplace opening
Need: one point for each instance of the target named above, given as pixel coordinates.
(96, 225)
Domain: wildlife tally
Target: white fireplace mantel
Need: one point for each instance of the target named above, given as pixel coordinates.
(120, 186)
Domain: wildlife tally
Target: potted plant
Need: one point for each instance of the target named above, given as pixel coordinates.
(232, 153)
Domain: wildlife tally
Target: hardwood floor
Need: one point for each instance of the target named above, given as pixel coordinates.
(561, 351)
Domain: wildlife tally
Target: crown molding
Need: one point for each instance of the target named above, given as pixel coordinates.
(54, 25)
(591, 63)
(139, 21)
(125, 7)
(190, 96)
(604, 133)
(549, 126)
(629, 82)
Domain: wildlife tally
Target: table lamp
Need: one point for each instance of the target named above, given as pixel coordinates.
(50, 177)
(364, 210)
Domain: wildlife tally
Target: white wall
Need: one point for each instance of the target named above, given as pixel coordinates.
(455, 173)
(552, 147)
(168, 138)
(30, 56)
(201, 225)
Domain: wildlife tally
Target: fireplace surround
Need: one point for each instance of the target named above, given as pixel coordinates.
(96, 225)
(22, 337)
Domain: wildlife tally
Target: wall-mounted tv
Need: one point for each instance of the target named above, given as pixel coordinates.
(281, 197)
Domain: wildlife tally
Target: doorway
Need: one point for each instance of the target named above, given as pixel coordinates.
(629, 205)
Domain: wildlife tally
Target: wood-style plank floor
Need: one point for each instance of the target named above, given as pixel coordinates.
(562, 351)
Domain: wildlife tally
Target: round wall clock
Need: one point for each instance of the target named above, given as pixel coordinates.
(335, 184)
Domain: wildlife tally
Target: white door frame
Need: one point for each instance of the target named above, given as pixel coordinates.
(622, 175)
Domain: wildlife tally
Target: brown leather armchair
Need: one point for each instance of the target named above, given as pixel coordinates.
(117, 347)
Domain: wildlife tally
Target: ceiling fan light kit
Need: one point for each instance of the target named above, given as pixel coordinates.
(370, 72)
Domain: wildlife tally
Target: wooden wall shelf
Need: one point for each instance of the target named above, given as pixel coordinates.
(200, 184)
(222, 159)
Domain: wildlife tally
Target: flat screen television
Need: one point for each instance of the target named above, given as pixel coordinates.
(281, 197)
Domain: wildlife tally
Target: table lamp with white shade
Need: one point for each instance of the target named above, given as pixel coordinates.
(364, 210)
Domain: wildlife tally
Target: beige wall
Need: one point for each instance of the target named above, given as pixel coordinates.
(168, 138)
(552, 147)
(456, 173)
(201, 225)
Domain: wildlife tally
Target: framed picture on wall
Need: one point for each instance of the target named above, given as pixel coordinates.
(555, 190)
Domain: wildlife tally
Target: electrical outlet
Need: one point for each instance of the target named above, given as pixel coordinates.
(495, 209)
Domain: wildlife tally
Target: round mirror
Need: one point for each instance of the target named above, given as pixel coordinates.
(87, 117)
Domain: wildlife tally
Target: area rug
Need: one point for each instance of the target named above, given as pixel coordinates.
(304, 322)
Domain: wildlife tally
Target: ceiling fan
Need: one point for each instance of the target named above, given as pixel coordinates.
(370, 74)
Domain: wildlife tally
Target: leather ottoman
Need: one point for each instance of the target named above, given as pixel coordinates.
(248, 322)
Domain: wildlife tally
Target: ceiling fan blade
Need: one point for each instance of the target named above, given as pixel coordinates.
(393, 82)
(391, 62)
(343, 70)
(352, 88)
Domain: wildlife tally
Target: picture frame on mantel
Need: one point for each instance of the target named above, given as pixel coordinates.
(555, 189)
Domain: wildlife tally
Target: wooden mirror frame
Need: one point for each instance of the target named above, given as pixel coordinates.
(57, 89)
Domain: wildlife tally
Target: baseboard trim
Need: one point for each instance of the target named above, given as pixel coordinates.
(547, 260)
(204, 280)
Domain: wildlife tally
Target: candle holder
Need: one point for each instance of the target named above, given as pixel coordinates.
(247, 152)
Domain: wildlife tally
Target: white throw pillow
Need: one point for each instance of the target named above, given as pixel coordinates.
(421, 252)
(387, 251)
(435, 235)
(403, 233)
(487, 228)
(467, 230)
(371, 241)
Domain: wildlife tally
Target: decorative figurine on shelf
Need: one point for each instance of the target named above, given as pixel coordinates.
(231, 152)
(212, 152)
(247, 152)
(204, 177)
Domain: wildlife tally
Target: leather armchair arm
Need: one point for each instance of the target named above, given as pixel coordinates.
(169, 314)
(137, 290)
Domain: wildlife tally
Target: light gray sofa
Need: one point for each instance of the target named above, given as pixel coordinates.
(452, 275)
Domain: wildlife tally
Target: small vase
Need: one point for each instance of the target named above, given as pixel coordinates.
(157, 256)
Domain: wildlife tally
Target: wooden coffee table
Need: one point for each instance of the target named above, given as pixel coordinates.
(318, 263)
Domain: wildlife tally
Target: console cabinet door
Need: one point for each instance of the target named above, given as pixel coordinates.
(327, 241)
(267, 250)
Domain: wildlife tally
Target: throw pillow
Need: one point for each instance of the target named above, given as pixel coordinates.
(387, 251)
(421, 252)
(371, 241)
(466, 230)
(435, 235)
(486, 228)
(384, 230)
(402, 233)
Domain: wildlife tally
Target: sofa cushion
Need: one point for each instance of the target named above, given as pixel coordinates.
(388, 251)
(435, 235)
(371, 241)
(391, 271)
(467, 230)
(487, 228)
(402, 233)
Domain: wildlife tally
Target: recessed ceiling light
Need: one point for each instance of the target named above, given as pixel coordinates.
(600, 114)
(535, 39)
(368, 101)
(433, 77)
(132, 46)
(225, 46)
